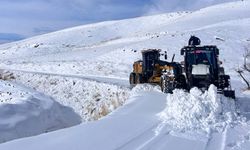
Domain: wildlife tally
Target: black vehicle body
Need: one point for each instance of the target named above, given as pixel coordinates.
(201, 68)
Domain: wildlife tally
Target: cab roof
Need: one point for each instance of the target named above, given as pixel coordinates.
(191, 48)
(151, 50)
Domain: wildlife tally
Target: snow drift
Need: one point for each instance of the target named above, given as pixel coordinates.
(199, 111)
(24, 112)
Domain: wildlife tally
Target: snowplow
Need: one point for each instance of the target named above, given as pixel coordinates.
(201, 68)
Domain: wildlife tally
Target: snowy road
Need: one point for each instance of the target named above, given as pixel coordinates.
(101, 79)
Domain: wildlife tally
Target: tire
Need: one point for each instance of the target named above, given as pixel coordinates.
(167, 86)
(139, 78)
(221, 71)
(163, 85)
(181, 82)
(132, 79)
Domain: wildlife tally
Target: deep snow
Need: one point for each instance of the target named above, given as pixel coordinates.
(199, 111)
(145, 129)
(100, 56)
(25, 112)
(89, 99)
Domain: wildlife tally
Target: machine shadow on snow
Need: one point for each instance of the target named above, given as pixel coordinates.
(243, 104)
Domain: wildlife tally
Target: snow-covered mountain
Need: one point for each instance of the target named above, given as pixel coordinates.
(86, 68)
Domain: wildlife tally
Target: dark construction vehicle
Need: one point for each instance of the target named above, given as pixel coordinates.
(200, 68)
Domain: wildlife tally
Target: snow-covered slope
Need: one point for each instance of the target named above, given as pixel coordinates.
(96, 49)
(103, 53)
(25, 112)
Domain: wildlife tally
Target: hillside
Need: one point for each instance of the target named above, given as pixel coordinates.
(86, 69)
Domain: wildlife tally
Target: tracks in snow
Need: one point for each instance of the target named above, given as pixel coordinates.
(217, 140)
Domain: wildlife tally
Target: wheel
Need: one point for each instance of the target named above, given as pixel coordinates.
(181, 82)
(221, 71)
(162, 84)
(132, 78)
(167, 85)
(139, 78)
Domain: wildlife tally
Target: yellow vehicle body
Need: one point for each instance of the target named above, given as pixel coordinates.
(156, 77)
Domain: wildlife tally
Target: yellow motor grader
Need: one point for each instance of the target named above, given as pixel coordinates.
(151, 68)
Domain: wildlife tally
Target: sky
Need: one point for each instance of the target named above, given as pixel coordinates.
(25, 18)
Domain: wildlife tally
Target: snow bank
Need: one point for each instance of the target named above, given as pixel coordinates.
(91, 100)
(198, 111)
(144, 88)
(24, 112)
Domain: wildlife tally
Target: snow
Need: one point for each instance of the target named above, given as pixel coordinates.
(25, 112)
(86, 68)
(199, 111)
(89, 99)
(137, 125)
(115, 133)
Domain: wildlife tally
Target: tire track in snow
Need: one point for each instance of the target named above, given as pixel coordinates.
(217, 140)
(146, 139)
(156, 139)
(130, 144)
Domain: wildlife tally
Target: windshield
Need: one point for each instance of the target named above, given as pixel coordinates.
(200, 57)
